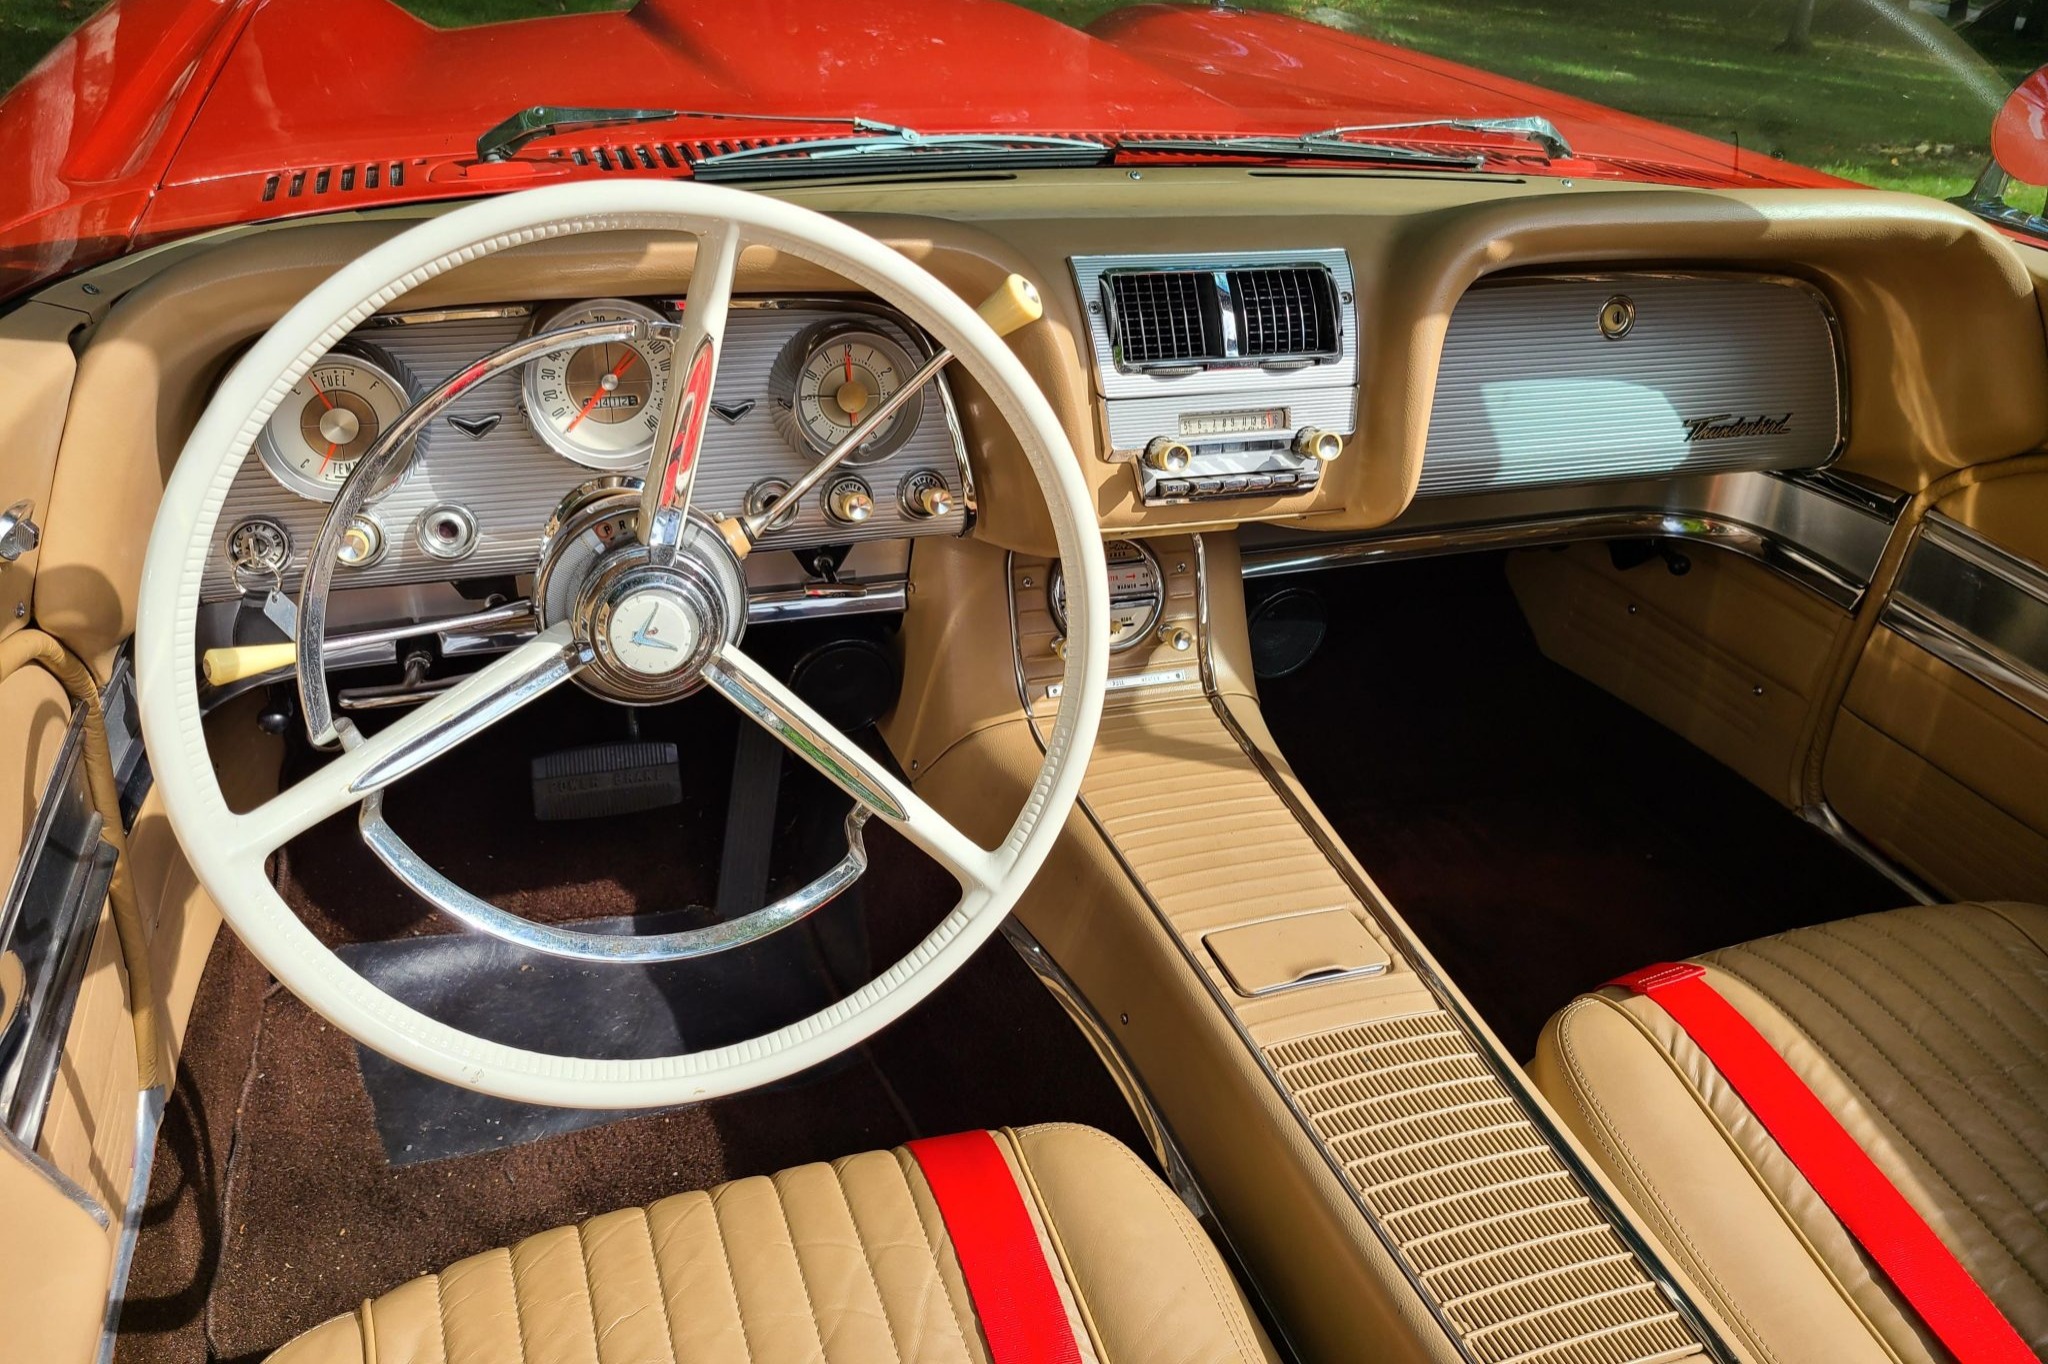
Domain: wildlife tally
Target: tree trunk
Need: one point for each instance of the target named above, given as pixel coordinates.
(1800, 38)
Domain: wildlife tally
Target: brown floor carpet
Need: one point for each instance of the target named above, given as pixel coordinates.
(1539, 835)
(273, 1207)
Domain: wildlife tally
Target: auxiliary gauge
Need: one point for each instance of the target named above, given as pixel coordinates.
(831, 377)
(330, 420)
(599, 405)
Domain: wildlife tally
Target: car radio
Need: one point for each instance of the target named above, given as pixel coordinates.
(1224, 375)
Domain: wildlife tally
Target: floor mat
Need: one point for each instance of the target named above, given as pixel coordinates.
(606, 1011)
(1539, 835)
(275, 1204)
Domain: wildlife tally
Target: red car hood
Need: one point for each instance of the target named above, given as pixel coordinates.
(162, 117)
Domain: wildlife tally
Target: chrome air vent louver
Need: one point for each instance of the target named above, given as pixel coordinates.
(369, 175)
(1163, 317)
(1179, 319)
(1286, 312)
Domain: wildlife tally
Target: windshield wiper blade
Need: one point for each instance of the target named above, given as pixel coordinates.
(1533, 128)
(875, 145)
(1287, 146)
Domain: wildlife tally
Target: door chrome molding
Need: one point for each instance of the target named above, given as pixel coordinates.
(1978, 608)
(149, 1117)
(1824, 818)
(1812, 530)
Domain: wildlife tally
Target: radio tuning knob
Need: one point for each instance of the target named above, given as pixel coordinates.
(849, 502)
(1176, 637)
(1320, 445)
(1165, 455)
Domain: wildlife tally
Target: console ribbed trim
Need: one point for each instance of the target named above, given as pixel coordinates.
(1491, 1223)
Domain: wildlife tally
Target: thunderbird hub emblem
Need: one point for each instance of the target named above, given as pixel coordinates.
(730, 413)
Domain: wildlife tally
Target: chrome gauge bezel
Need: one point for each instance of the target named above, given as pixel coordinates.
(380, 367)
(1056, 594)
(787, 388)
(535, 377)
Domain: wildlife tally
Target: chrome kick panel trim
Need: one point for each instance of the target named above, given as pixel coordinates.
(508, 480)
(1798, 526)
(48, 923)
(1718, 372)
(1977, 607)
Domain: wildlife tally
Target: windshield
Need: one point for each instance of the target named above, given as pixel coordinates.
(1899, 94)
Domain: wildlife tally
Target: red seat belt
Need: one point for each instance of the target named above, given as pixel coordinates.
(1924, 1270)
(1000, 1256)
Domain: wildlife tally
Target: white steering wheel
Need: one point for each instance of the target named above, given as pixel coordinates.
(669, 572)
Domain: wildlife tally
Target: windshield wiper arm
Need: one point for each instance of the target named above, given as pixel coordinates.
(876, 144)
(545, 120)
(1529, 127)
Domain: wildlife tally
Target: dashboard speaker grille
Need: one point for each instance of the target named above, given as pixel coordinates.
(1288, 311)
(1164, 317)
(1497, 1231)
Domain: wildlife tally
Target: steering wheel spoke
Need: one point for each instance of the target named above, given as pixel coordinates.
(370, 764)
(764, 699)
(679, 439)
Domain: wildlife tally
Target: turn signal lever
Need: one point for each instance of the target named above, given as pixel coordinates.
(1013, 305)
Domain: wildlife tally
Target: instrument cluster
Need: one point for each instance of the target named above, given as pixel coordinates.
(796, 376)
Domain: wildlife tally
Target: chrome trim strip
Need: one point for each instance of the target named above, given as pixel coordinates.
(149, 1116)
(1824, 818)
(49, 921)
(1975, 658)
(817, 601)
(1977, 607)
(1808, 534)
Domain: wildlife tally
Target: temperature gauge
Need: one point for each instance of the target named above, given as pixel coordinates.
(329, 421)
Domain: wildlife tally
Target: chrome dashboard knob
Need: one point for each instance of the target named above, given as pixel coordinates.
(1165, 455)
(849, 502)
(926, 497)
(1320, 445)
(1176, 637)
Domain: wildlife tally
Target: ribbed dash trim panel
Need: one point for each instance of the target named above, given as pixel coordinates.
(1493, 1225)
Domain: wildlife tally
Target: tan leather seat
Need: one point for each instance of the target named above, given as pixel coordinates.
(842, 1264)
(1925, 1031)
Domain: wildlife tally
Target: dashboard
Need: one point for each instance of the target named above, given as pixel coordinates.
(489, 473)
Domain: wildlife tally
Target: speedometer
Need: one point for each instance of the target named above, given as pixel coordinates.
(329, 421)
(831, 378)
(599, 405)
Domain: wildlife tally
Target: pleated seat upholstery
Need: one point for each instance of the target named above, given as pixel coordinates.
(1925, 1032)
(848, 1263)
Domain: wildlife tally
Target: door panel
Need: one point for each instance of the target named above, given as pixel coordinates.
(1940, 755)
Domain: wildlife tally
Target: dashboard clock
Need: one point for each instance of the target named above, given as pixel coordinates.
(599, 405)
(830, 377)
(329, 420)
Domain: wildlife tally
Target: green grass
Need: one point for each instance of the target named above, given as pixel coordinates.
(1881, 96)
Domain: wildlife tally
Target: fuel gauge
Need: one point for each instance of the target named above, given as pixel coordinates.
(329, 421)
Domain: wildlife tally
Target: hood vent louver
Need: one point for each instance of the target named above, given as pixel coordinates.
(369, 175)
(1274, 316)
